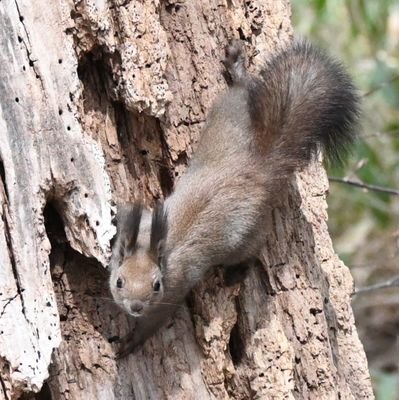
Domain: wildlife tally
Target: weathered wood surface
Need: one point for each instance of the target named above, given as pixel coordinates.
(103, 101)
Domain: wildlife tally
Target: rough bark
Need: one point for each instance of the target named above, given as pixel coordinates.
(102, 102)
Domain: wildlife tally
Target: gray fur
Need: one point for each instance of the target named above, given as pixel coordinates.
(257, 134)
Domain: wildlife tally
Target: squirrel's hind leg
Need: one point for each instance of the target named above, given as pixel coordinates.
(236, 273)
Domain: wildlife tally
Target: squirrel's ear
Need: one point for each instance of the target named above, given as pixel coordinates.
(128, 223)
(161, 260)
(159, 230)
(128, 219)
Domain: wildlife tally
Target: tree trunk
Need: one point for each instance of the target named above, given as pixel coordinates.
(102, 102)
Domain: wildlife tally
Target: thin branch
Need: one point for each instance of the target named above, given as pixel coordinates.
(378, 134)
(372, 266)
(374, 188)
(381, 86)
(393, 282)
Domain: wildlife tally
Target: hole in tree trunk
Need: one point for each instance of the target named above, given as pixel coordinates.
(44, 394)
(85, 306)
(54, 225)
(236, 345)
(98, 71)
(95, 72)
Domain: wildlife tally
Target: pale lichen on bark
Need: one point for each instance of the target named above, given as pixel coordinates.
(43, 153)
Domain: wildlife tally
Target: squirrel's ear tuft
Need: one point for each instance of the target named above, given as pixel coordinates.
(128, 219)
(128, 224)
(159, 230)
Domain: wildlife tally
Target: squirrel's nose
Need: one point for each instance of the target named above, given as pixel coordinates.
(136, 306)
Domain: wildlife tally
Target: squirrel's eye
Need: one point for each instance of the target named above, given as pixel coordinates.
(119, 283)
(156, 286)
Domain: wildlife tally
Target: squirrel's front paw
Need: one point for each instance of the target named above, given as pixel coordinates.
(127, 345)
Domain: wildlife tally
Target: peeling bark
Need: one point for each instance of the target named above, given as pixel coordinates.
(102, 102)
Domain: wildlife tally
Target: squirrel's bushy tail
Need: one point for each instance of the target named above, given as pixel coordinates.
(303, 101)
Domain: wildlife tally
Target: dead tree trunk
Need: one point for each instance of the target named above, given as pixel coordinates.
(101, 102)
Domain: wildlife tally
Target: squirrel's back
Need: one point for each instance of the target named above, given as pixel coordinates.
(257, 134)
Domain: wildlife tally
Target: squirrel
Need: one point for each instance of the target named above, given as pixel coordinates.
(257, 134)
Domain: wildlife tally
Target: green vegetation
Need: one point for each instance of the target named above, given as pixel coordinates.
(364, 34)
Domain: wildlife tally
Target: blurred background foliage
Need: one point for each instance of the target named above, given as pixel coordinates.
(364, 34)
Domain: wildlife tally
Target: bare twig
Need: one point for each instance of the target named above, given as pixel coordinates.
(378, 134)
(381, 86)
(362, 185)
(371, 267)
(393, 282)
